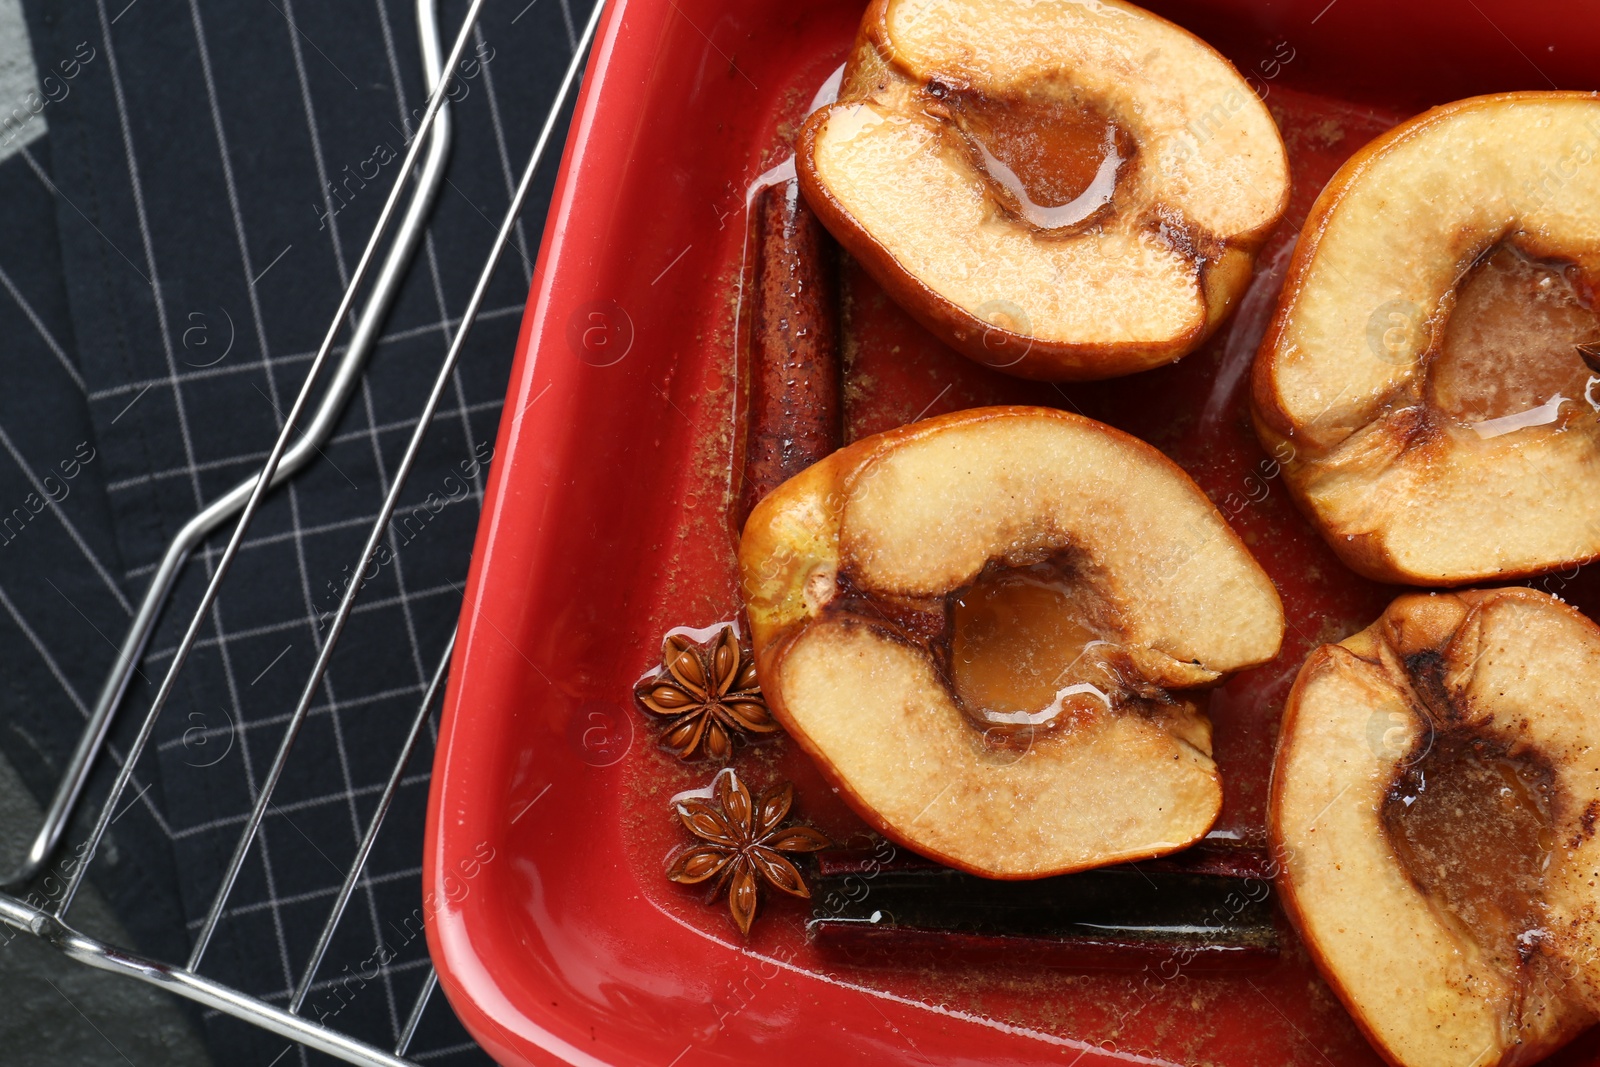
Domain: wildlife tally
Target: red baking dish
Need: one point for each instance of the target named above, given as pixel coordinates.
(556, 934)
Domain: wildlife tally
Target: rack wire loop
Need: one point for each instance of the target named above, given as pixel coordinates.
(363, 339)
(375, 535)
(262, 481)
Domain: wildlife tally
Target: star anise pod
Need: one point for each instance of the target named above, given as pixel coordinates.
(743, 844)
(708, 694)
(1590, 354)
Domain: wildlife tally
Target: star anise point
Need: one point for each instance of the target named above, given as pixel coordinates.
(708, 694)
(741, 844)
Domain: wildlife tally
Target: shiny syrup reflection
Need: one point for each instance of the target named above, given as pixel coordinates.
(1050, 159)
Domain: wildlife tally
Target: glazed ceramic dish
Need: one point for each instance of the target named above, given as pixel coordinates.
(556, 933)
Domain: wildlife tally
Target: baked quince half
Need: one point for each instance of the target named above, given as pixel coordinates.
(1061, 189)
(1433, 804)
(1426, 367)
(982, 627)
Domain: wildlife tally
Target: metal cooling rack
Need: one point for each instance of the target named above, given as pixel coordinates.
(384, 261)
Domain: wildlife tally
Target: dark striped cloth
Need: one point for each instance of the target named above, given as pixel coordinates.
(182, 200)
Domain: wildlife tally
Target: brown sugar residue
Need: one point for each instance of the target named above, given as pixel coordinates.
(1327, 132)
(1591, 811)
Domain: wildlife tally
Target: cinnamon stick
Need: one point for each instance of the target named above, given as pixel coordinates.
(1211, 911)
(796, 416)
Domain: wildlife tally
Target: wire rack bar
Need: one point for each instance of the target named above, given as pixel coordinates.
(409, 1031)
(375, 536)
(186, 984)
(262, 481)
(423, 171)
(365, 849)
(348, 372)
